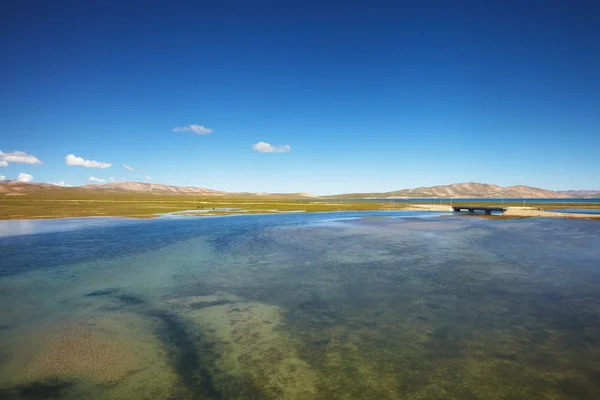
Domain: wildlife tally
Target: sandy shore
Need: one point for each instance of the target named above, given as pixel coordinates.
(429, 207)
(537, 212)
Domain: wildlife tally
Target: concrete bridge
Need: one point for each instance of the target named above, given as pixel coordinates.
(487, 210)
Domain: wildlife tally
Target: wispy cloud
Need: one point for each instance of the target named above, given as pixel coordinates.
(17, 157)
(71, 159)
(23, 177)
(63, 184)
(199, 129)
(128, 167)
(264, 147)
(94, 179)
(2, 177)
(148, 178)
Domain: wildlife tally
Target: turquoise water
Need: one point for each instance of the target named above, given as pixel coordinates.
(382, 305)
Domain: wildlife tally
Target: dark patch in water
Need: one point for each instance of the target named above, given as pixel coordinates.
(575, 388)
(312, 305)
(444, 343)
(204, 304)
(506, 357)
(102, 292)
(129, 299)
(38, 390)
(186, 356)
(441, 332)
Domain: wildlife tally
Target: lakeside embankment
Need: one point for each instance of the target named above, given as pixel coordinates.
(512, 212)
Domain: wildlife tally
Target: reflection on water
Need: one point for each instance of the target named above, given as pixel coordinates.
(31, 226)
(312, 306)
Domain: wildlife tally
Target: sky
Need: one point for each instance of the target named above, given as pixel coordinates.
(301, 96)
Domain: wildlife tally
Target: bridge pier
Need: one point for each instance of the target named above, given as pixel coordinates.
(472, 209)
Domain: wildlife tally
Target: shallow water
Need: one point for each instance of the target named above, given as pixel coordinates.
(384, 305)
(577, 210)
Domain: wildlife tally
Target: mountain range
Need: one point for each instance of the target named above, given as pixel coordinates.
(471, 190)
(457, 190)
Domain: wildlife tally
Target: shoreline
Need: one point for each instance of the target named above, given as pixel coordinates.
(538, 212)
(510, 213)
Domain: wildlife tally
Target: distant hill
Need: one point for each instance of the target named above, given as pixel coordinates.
(464, 190)
(460, 190)
(586, 194)
(15, 187)
(151, 188)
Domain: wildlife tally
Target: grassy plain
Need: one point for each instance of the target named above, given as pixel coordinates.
(141, 205)
(73, 202)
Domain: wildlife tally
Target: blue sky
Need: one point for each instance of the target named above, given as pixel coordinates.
(354, 96)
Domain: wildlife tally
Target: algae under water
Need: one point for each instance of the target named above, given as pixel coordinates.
(303, 306)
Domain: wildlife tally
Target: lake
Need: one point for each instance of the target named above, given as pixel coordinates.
(381, 305)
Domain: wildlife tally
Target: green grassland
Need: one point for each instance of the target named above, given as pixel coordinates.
(141, 205)
(77, 202)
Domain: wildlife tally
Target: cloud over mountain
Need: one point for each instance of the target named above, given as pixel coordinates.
(23, 177)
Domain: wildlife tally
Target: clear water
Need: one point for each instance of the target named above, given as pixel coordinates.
(407, 305)
(577, 210)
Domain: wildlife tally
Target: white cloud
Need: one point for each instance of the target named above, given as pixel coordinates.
(17, 157)
(199, 129)
(128, 168)
(73, 160)
(94, 179)
(264, 147)
(2, 177)
(23, 177)
(59, 183)
(148, 178)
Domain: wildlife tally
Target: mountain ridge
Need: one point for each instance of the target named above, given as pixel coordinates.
(586, 194)
(463, 190)
(457, 190)
(150, 187)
